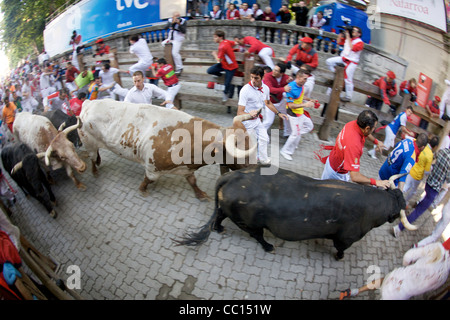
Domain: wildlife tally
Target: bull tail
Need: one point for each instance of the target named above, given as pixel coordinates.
(197, 238)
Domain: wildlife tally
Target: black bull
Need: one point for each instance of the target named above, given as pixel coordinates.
(58, 118)
(29, 177)
(294, 207)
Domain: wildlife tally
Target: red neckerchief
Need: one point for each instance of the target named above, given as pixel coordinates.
(446, 244)
(259, 89)
(416, 149)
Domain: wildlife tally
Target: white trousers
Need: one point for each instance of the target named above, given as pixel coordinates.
(269, 116)
(140, 66)
(266, 56)
(299, 126)
(29, 104)
(173, 91)
(440, 227)
(176, 46)
(71, 86)
(410, 188)
(257, 131)
(389, 140)
(349, 70)
(329, 173)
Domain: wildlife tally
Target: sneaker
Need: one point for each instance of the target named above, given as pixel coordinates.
(345, 99)
(286, 156)
(396, 231)
(225, 97)
(265, 163)
(372, 154)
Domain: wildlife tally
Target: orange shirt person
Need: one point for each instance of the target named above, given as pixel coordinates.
(9, 113)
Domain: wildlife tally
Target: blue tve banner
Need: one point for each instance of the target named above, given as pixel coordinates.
(93, 19)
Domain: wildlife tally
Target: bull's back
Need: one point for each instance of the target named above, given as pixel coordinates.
(34, 130)
(126, 129)
(292, 206)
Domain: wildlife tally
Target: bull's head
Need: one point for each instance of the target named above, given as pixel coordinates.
(238, 143)
(65, 150)
(403, 218)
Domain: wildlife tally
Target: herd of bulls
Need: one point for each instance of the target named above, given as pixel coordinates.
(291, 206)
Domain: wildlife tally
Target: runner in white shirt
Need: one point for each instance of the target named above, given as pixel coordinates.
(107, 75)
(45, 83)
(140, 48)
(144, 92)
(29, 103)
(252, 97)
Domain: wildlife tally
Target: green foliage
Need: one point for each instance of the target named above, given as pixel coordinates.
(22, 27)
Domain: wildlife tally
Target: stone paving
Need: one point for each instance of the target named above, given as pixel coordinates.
(122, 242)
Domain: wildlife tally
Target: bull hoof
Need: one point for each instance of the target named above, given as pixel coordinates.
(220, 229)
(144, 193)
(203, 197)
(338, 255)
(53, 214)
(269, 248)
(81, 187)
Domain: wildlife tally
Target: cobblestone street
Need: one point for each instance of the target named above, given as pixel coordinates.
(123, 244)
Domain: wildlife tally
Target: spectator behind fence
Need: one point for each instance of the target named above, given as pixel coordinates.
(269, 16)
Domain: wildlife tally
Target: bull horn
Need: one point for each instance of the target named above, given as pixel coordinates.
(230, 146)
(40, 155)
(47, 155)
(61, 127)
(74, 127)
(395, 177)
(405, 221)
(17, 167)
(245, 117)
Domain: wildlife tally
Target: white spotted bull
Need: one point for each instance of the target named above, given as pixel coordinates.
(39, 134)
(164, 141)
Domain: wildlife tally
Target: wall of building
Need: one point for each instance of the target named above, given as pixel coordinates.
(424, 49)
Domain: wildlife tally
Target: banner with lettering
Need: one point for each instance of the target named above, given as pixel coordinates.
(424, 85)
(93, 19)
(431, 12)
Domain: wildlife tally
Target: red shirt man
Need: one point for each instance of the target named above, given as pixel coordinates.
(167, 74)
(226, 55)
(70, 72)
(348, 150)
(409, 85)
(305, 53)
(387, 86)
(102, 48)
(276, 87)
(255, 46)
(433, 107)
(344, 160)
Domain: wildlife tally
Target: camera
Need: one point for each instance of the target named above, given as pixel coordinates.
(347, 27)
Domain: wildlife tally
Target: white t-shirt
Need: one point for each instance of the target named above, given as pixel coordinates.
(146, 94)
(44, 81)
(253, 99)
(108, 77)
(246, 13)
(140, 48)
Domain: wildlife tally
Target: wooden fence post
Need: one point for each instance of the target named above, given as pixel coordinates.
(248, 65)
(333, 105)
(168, 54)
(405, 103)
(115, 64)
